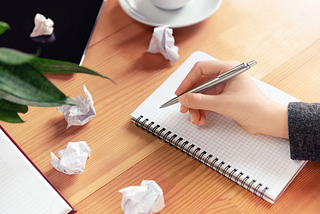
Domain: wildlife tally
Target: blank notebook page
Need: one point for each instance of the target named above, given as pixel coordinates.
(262, 158)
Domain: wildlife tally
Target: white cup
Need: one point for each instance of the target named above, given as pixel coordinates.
(170, 4)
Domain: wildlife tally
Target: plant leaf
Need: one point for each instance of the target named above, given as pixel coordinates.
(14, 57)
(50, 66)
(3, 27)
(10, 116)
(25, 85)
(6, 105)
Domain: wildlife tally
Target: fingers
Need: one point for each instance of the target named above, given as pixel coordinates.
(200, 102)
(196, 116)
(198, 105)
(203, 117)
(190, 102)
(184, 109)
(204, 68)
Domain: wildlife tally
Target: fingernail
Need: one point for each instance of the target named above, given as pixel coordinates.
(192, 121)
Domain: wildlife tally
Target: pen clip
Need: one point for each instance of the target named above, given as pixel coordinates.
(233, 70)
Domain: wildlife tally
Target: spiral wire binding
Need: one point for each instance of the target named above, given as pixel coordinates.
(164, 135)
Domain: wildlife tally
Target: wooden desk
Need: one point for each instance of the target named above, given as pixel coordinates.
(283, 36)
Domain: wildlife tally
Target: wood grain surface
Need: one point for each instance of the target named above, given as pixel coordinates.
(283, 36)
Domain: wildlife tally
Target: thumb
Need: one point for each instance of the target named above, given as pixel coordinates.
(202, 102)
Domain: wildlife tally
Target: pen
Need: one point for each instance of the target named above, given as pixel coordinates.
(215, 81)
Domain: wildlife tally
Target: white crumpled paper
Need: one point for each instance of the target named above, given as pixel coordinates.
(42, 26)
(162, 41)
(80, 114)
(144, 199)
(72, 159)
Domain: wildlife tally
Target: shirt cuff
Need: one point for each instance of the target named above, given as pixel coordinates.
(304, 130)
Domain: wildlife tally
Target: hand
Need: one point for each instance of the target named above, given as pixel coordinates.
(238, 98)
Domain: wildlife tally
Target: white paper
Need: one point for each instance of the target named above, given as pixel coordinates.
(72, 159)
(42, 26)
(162, 41)
(144, 199)
(23, 190)
(80, 114)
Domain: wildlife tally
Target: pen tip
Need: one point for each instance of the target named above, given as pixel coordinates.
(170, 102)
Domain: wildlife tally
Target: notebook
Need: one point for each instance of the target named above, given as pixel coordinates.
(23, 187)
(259, 163)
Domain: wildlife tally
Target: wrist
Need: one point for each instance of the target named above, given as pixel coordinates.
(275, 122)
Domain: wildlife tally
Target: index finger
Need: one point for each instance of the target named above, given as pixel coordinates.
(204, 68)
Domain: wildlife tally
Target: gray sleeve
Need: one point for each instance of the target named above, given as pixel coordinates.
(304, 130)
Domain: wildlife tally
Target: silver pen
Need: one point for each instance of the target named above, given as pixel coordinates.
(215, 81)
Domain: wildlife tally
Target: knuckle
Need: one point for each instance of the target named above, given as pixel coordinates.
(198, 64)
(196, 101)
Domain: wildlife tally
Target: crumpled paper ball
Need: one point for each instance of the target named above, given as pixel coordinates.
(42, 26)
(72, 159)
(144, 199)
(80, 114)
(162, 41)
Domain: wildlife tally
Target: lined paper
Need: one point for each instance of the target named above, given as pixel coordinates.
(22, 188)
(259, 158)
(13, 190)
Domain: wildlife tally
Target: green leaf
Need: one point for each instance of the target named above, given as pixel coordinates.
(3, 27)
(6, 105)
(14, 57)
(10, 116)
(25, 85)
(50, 66)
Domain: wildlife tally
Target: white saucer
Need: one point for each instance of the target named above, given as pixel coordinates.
(193, 12)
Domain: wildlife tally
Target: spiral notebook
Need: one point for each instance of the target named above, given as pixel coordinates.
(259, 163)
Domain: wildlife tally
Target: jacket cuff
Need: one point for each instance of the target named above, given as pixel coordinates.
(304, 130)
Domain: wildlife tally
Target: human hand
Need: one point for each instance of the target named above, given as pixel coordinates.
(238, 98)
